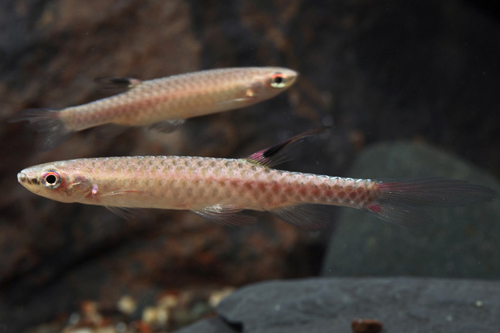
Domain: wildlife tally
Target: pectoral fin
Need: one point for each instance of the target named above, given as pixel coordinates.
(167, 126)
(250, 96)
(118, 192)
(123, 212)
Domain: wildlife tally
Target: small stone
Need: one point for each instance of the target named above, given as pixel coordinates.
(73, 319)
(121, 327)
(88, 308)
(142, 327)
(162, 316)
(366, 326)
(106, 329)
(168, 301)
(150, 315)
(219, 295)
(126, 305)
(78, 330)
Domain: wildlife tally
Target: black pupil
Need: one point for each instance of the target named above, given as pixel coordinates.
(51, 179)
(278, 79)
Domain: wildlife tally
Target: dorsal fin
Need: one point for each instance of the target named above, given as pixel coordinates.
(116, 83)
(277, 154)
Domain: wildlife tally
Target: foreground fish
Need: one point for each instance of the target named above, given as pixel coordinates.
(219, 189)
(162, 103)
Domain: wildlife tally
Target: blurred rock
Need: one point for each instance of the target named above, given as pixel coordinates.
(462, 243)
(407, 305)
(379, 70)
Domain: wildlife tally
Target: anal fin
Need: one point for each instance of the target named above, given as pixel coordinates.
(309, 217)
(227, 215)
(250, 96)
(120, 192)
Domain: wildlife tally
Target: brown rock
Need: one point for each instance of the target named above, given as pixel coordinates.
(380, 71)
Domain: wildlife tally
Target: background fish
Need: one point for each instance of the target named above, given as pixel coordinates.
(219, 189)
(161, 103)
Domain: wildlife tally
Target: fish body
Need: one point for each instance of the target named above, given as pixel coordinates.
(220, 189)
(163, 103)
(177, 182)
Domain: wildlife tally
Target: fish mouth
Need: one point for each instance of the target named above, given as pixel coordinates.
(291, 76)
(22, 178)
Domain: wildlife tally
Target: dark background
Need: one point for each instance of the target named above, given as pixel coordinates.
(416, 70)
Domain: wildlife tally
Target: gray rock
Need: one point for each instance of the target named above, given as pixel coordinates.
(408, 305)
(463, 241)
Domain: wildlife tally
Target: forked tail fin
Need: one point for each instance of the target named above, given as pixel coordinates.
(401, 201)
(47, 122)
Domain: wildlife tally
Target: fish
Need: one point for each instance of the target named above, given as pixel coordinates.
(162, 104)
(220, 189)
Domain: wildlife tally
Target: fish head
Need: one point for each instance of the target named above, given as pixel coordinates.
(274, 80)
(59, 181)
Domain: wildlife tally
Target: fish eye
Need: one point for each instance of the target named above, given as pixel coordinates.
(51, 180)
(277, 80)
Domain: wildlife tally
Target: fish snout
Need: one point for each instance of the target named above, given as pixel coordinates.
(292, 74)
(25, 179)
(22, 178)
(289, 76)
